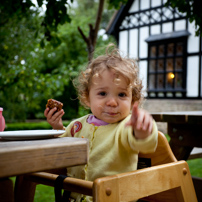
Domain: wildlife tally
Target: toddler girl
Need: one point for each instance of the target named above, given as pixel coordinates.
(110, 87)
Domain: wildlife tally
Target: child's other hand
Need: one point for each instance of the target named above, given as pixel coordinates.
(141, 121)
(54, 119)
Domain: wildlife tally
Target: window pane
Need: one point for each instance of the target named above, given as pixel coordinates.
(178, 63)
(152, 94)
(160, 65)
(178, 94)
(160, 94)
(152, 65)
(169, 94)
(169, 64)
(166, 68)
(179, 49)
(170, 49)
(151, 81)
(160, 81)
(153, 51)
(161, 50)
(169, 80)
(178, 80)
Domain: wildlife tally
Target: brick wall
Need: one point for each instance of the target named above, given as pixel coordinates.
(158, 105)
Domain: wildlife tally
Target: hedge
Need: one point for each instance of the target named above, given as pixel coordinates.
(30, 125)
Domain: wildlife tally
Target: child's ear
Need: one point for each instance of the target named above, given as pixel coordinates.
(87, 102)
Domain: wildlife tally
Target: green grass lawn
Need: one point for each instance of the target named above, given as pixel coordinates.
(195, 166)
(44, 194)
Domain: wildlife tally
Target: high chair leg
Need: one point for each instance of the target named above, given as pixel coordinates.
(6, 190)
(24, 189)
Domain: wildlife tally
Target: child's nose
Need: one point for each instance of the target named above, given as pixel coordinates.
(112, 102)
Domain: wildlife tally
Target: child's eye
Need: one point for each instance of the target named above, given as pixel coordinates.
(122, 94)
(102, 93)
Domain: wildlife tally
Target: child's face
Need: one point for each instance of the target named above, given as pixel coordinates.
(109, 100)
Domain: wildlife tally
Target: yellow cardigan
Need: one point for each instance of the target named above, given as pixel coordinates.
(113, 148)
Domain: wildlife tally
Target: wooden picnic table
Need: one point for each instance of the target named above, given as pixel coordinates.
(27, 156)
(185, 131)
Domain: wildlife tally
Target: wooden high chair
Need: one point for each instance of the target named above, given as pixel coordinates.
(167, 180)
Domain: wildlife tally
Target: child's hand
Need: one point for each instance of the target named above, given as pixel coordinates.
(54, 119)
(141, 121)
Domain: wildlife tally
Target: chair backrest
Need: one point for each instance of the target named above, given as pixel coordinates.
(168, 179)
(162, 155)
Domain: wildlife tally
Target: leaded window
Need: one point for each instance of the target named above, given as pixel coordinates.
(167, 67)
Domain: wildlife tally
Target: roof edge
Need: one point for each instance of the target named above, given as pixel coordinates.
(170, 35)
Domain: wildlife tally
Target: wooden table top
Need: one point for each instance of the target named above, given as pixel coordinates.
(191, 117)
(21, 157)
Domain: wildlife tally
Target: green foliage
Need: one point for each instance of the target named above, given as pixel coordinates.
(18, 80)
(116, 3)
(29, 75)
(27, 126)
(30, 126)
(57, 13)
(192, 8)
(10, 9)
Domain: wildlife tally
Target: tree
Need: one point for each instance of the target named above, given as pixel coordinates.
(57, 13)
(192, 8)
(90, 40)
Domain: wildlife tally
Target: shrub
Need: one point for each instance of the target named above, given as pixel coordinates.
(30, 126)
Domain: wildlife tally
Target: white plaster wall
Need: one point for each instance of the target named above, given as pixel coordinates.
(155, 29)
(143, 75)
(180, 25)
(144, 33)
(193, 41)
(192, 76)
(134, 6)
(123, 42)
(156, 3)
(133, 46)
(144, 4)
(167, 27)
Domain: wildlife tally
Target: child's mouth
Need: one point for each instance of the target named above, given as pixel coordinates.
(112, 113)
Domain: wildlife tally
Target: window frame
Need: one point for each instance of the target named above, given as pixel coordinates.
(167, 92)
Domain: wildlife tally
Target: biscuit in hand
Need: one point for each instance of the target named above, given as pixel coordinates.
(54, 103)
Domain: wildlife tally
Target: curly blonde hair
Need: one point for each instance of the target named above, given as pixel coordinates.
(112, 61)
